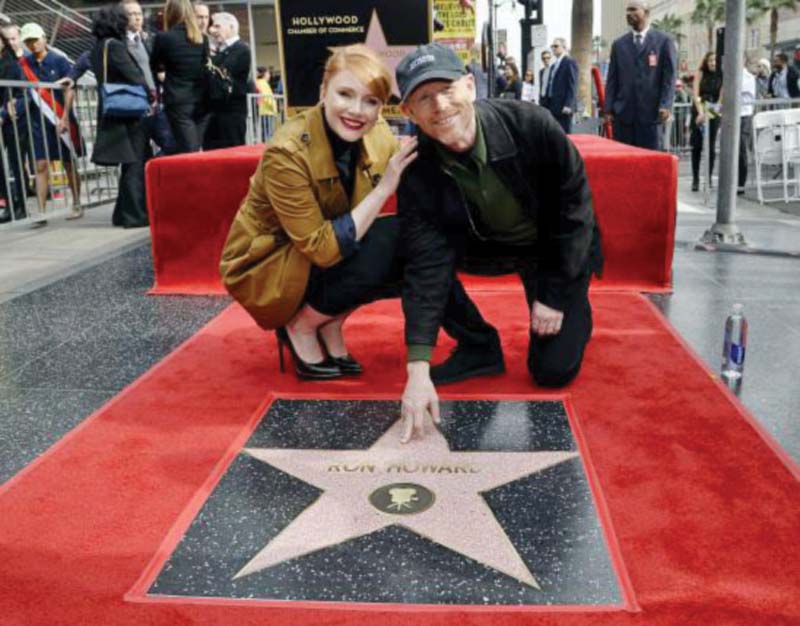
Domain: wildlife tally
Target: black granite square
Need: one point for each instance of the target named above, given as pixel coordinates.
(548, 515)
(67, 347)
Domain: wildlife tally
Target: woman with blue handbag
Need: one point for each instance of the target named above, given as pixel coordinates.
(123, 101)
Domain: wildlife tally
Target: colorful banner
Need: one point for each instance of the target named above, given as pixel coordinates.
(459, 26)
(309, 30)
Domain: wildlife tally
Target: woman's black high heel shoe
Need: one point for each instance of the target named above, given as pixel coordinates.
(324, 370)
(347, 364)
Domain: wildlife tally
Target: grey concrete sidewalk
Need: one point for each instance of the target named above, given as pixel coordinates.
(772, 228)
(31, 258)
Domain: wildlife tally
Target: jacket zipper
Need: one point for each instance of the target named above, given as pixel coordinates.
(465, 206)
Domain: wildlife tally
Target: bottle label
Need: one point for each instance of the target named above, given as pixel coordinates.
(737, 353)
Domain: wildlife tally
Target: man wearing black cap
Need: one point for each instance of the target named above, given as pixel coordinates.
(497, 188)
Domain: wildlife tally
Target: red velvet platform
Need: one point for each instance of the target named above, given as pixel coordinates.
(192, 199)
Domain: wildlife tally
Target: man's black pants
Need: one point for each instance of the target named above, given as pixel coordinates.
(552, 361)
(639, 134)
(375, 272)
(226, 129)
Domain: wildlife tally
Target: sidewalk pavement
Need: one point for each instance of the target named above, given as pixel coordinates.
(31, 258)
(771, 228)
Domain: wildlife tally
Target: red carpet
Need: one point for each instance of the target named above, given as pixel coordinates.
(192, 199)
(705, 509)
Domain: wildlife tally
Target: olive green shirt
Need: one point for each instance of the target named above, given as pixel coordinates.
(503, 220)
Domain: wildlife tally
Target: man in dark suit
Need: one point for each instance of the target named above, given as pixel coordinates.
(562, 85)
(228, 124)
(640, 87)
(544, 75)
(783, 80)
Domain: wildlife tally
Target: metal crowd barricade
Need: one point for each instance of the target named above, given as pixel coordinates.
(265, 114)
(24, 125)
(762, 173)
(676, 130)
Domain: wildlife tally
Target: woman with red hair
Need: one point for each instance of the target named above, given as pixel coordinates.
(307, 246)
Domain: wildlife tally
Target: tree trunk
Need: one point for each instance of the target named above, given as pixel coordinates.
(582, 16)
(710, 33)
(773, 32)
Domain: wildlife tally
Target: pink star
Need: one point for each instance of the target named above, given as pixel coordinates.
(455, 514)
(392, 55)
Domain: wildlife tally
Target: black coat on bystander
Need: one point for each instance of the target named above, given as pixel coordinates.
(118, 140)
(228, 123)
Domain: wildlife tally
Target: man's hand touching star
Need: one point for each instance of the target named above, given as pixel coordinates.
(419, 403)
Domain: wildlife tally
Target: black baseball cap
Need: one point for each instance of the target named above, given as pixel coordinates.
(431, 61)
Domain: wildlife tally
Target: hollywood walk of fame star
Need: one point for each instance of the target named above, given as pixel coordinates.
(422, 486)
(391, 55)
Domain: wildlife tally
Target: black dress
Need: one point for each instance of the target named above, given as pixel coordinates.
(513, 90)
(709, 91)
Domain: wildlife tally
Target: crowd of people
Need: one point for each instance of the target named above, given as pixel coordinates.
(556, 88)
(195, 72)
(643, 84)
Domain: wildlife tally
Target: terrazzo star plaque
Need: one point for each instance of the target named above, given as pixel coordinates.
(324, 503)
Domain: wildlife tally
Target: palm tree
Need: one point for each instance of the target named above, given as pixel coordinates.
(709, 13)
(672, 25)
(582, 16)
(773, 7)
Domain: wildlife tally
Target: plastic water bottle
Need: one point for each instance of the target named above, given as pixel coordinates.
(734, 346)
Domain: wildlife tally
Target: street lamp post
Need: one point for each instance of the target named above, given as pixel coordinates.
(725, 230)
(533, 16)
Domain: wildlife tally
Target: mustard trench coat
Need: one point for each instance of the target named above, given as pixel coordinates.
(283, 225)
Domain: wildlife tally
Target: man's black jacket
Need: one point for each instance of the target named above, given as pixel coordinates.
(236, 59)
(792, 76)
(530, 152)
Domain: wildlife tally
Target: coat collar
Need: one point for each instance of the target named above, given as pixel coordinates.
(499, 142)
(320, 153)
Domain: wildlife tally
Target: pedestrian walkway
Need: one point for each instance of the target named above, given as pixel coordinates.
(768, 228)
(33, 257)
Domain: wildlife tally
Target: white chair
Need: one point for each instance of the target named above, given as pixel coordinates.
(791, 149)
(767, 145)
(776, 141)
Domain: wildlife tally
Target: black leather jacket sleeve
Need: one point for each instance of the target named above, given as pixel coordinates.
(568, 225)
(429, 270)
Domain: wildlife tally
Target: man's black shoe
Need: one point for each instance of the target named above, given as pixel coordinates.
(468, 361)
